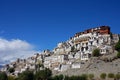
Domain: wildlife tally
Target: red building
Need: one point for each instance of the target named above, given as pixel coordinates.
(104, 30)
(101, 30)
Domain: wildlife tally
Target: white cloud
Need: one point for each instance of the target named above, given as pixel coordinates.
(10, 50)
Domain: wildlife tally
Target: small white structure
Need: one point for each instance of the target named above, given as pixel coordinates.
(115, 38)
(77, 55)
(64, 67)
(54, 59)
(75, 65)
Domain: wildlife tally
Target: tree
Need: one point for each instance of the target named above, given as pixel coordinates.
(3, 76)
(55, 77)
(110, 75)
(118, 55)
(43, 74)
(117, 76)
(117, 46)
(84, 77)
(73, 49)
(111, 35)
(91, 76)
(26, 75)
(58, 77)
(11, 78)
(73, 78)
(11, 70)
(96, 52)
(66, 78)
(38, 66)
(103, 76)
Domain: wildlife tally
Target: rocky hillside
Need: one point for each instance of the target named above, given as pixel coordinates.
(96, 65)
(90, 51)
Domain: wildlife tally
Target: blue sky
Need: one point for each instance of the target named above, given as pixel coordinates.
(44, 23)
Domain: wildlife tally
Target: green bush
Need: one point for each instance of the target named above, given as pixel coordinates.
(118, 55)
(43, 74)
(110, 75)
(73, 49)
(61, 77)
(3, 76)
(81, 77)
(117, 76)
(66, 78)
(103, 76)
(55, 77)
(26, 75)
(73, 78)
(84, 77)
(11, 78)
(91, 76)
(96, 53)
(58, 77)
(11, 70)
(117, 46)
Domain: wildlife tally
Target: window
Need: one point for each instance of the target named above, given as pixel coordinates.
(82, 43)
(91, 43)
(97, 41)
(86, 48)
(86, 43)
(82, 49)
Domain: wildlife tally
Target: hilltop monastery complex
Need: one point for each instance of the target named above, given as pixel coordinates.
(72, 53)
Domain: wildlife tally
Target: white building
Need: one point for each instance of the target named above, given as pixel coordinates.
(50, 61)
(75, 65)
(87, 42)
(64, 67)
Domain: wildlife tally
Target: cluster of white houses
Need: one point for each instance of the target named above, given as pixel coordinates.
(71, 53)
